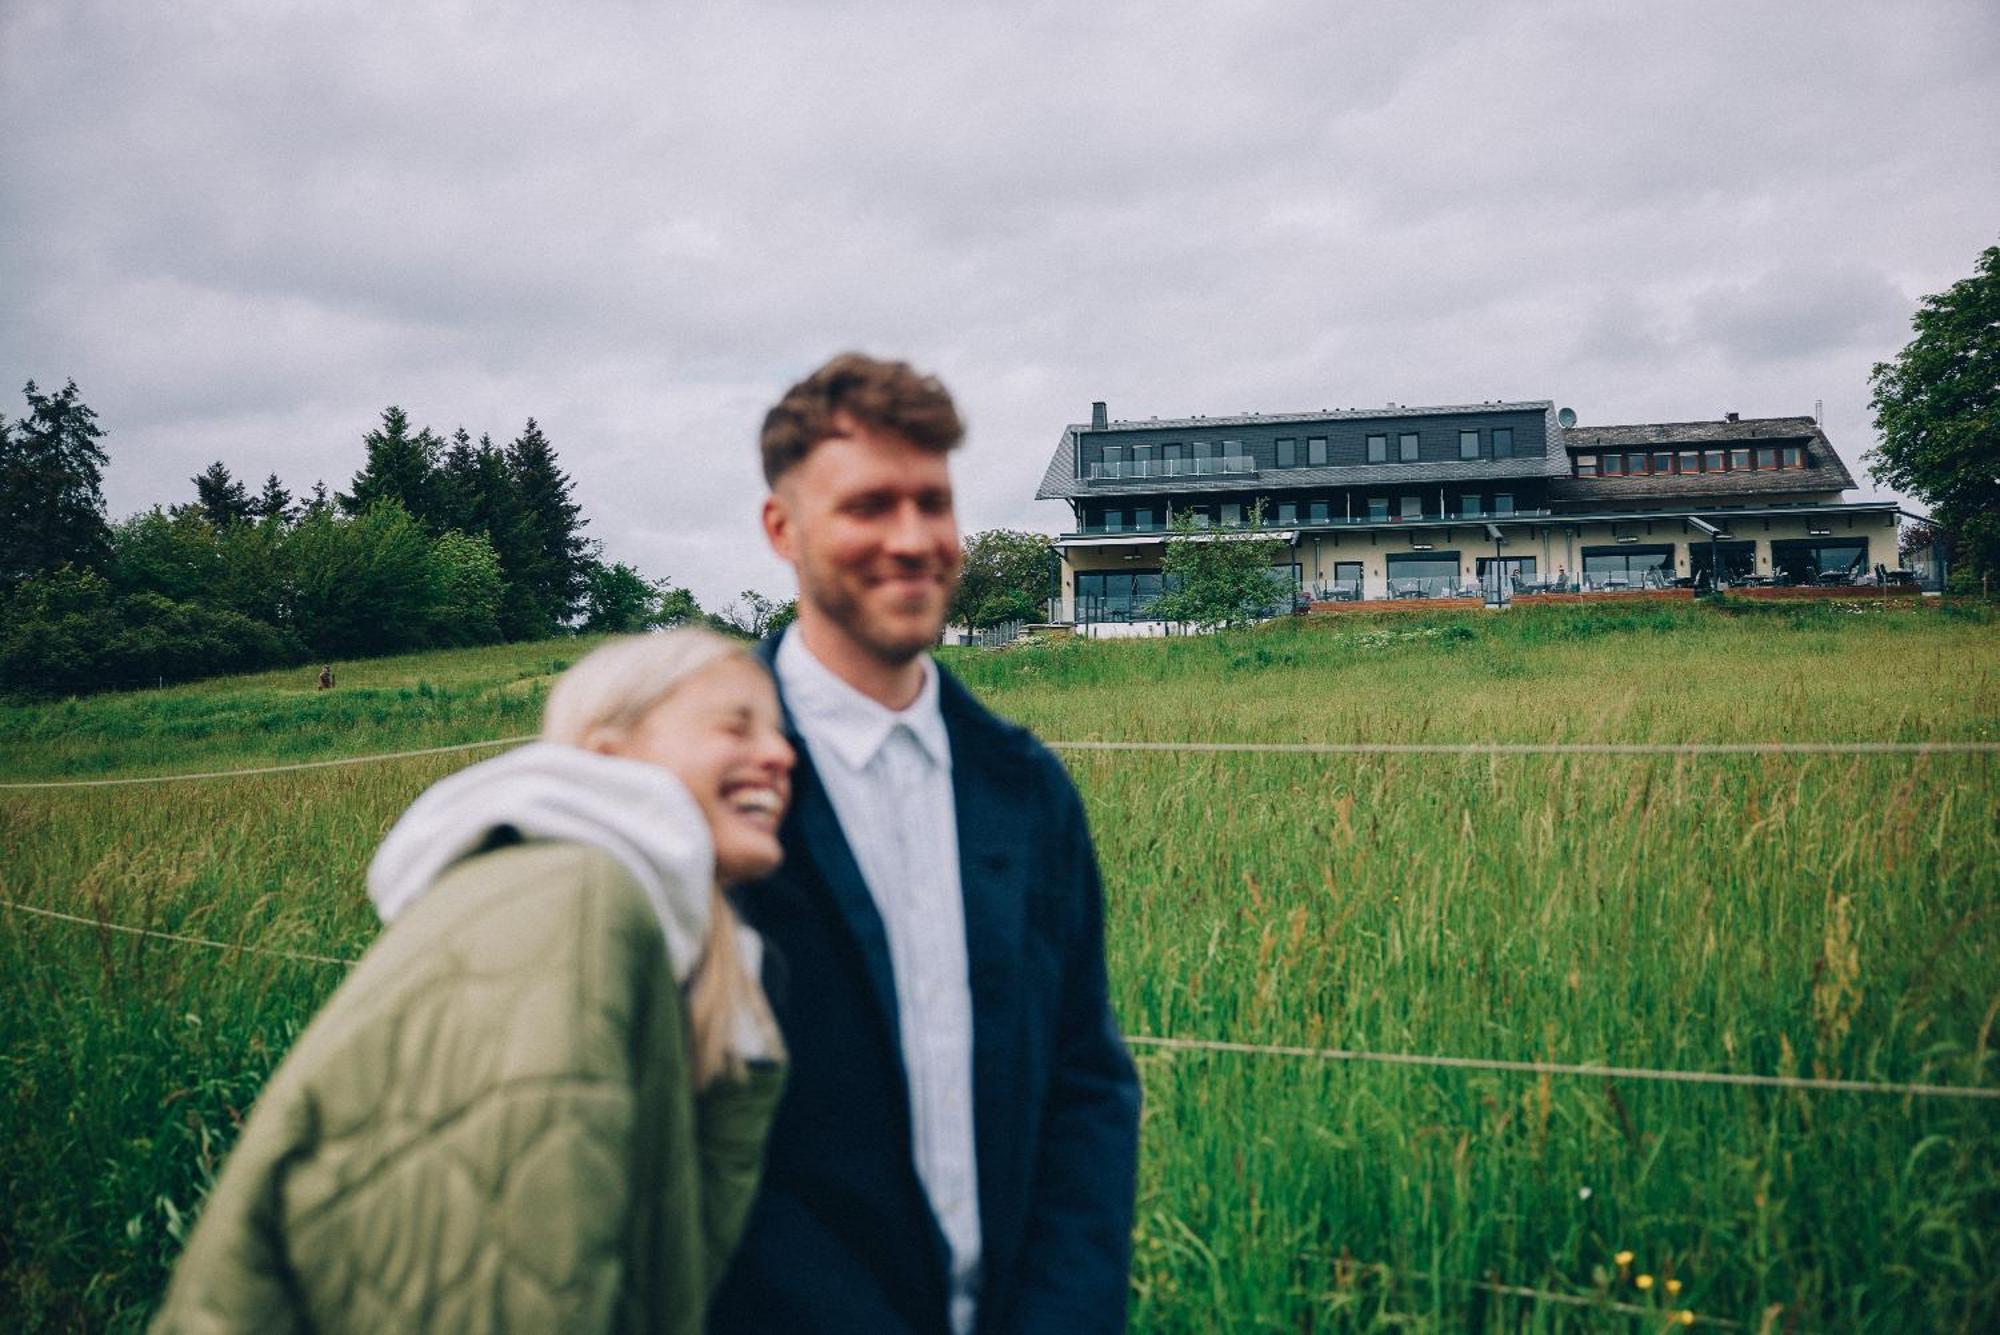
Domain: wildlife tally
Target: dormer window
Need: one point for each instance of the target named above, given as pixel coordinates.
(1378, 449)
(1586, 465)
(1406, 447)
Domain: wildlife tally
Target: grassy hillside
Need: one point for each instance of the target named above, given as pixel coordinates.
(1825, 915)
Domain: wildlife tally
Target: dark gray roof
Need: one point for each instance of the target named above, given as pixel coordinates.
(1825, 472)
(1059, 480)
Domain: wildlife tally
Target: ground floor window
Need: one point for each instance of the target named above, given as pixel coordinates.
(1805, 561)
(1346, 581)
(1116, 595)
(1739, 560)
(1628, 567)
(1501, 576)
(1422, 574)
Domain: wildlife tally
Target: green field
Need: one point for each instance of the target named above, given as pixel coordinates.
(1829, 915)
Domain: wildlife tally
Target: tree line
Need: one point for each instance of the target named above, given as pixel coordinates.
(435, 542)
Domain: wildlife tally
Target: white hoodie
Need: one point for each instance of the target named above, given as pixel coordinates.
(640, 814)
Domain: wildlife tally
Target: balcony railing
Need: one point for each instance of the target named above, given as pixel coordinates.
(1131, 470)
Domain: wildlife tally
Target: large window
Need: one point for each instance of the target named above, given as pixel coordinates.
(1627, 567)
(1316, 450)
(1114, 521)
(1142, 519)
(1739, 559)
(1804, 561)
(1378, 449)
(1198, 450)
(1468, 444)
(1288, 452)
(1116, 595)
(1422, 574)
(1406, 447)
(1346, 582)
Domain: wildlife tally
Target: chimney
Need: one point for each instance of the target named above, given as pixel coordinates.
(1099, 418)
(1729, 417)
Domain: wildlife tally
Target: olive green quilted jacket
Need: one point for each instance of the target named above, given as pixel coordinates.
(491, 1126)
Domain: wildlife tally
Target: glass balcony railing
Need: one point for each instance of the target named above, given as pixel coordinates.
(1130, 470)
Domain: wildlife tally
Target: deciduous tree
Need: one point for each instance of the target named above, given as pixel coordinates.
(1218, 577)
(1937, 406)
(1006, 578)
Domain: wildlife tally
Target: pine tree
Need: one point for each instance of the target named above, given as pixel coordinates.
(401, 467)
(499, 514)
(51, 487)
(220, 498)
(274, 502)
(455, 488)
(562, 573)
(319, 504)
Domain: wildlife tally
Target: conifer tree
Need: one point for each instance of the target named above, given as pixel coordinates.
(401, 467)
(319, 504)
(51, 487)
(456, 486)
(274, 502)
(561, 574)
(220, 498)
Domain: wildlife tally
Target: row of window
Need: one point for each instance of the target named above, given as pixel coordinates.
(1661, 463)
(1233, 514)
(1294, 452)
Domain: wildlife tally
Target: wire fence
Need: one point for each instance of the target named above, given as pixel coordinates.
(1901, 1089)
(1488, 749)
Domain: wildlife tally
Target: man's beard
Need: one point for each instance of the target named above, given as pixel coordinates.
(847, 609)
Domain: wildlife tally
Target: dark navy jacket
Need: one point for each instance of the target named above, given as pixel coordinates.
(842, 1238)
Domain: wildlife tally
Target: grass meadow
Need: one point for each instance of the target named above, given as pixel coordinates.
(1813, 915)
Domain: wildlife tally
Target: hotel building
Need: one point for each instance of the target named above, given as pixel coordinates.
(1488, 499)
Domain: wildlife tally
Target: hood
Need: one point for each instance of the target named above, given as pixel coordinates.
(638, 813)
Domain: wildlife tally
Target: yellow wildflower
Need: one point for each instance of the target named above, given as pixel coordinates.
(1643, 1281)
(1685, 1316)
(1623, 1259)
(1673, 1287)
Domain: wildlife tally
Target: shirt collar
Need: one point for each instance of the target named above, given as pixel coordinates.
(830, 712)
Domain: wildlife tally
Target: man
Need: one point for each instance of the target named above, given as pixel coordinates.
(956, 1148)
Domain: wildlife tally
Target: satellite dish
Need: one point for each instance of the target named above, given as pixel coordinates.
(1566, 417)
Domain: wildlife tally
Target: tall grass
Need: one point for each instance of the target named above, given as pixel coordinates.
(1827, 915)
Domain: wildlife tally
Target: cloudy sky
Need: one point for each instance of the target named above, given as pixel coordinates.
(245, 226)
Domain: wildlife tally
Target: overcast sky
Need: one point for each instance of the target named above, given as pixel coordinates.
(244, 228)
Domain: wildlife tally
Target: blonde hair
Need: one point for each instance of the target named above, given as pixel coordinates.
(597, 702)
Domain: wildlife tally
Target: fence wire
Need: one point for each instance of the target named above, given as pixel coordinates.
(1501, 749)
(1587, 1069)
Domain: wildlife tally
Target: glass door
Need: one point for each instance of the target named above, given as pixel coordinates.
(1497, 575)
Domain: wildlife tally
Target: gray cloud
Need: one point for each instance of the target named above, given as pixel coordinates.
(245, 228)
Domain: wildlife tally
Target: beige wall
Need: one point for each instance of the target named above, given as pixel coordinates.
(1553, 544)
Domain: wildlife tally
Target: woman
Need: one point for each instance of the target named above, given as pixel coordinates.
(539, 1101)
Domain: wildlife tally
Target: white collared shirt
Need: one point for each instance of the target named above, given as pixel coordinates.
(888, 774)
